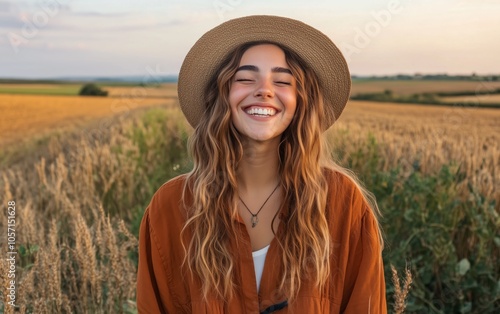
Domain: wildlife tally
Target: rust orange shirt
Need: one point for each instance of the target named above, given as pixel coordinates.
(356, 284)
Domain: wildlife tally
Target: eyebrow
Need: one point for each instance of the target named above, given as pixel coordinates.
(256, 69)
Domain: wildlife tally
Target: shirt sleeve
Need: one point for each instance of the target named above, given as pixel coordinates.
(365, 283)
(149, 297)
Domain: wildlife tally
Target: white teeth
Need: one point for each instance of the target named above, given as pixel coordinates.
(261, 111)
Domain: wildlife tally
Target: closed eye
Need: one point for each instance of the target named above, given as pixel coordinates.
(244, 80)
(283, 83)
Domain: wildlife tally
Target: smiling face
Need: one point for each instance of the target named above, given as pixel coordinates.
(263, 93)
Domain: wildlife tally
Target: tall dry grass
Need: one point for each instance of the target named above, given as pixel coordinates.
(401, 291)
(424, 138)
(75, 210)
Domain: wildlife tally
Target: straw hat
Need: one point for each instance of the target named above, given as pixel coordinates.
(314, 47)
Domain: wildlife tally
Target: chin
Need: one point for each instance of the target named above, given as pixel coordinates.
(261, 137)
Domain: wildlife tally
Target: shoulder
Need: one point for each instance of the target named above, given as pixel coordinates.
(172, 187)
(166, 206)
(345, 200)
(343, 189)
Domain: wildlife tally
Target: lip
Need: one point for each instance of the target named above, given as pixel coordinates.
(261, 105)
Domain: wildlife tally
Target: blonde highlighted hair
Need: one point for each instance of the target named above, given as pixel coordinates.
(216, 149)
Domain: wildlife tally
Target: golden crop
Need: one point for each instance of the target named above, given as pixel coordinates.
(25, 116)
(430, 136)
(81, 255)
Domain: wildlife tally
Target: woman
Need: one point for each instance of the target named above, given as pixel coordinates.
(264, 222)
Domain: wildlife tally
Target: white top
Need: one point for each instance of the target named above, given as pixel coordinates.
(259, 258)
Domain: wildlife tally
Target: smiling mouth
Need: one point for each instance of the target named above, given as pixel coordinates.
(261, 112)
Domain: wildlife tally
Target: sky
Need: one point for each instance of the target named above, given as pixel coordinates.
(90, 38)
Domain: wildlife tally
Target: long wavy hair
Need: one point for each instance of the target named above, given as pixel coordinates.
(217, 150)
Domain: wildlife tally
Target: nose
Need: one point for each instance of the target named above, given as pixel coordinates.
(265, 89)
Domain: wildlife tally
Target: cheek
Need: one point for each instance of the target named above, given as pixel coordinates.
(236, 95)
(291, 103)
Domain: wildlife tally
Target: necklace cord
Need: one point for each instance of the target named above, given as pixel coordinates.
(254, 220)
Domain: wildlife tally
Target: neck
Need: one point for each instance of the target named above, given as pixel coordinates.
(259, 168)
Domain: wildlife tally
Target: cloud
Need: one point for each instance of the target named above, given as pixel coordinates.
(101, 14)
(21, 14)
(5, 6)
(144, 24)
(10, 21)
(476, 4)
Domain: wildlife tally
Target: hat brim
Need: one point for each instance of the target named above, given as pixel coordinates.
(314, 47)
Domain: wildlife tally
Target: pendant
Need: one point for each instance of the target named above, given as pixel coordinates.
(254, 220)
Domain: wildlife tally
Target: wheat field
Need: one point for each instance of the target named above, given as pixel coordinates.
(26, 116)
(77, 200)
(431, 136)
(155, 91)
(76, 250)
(479, 99)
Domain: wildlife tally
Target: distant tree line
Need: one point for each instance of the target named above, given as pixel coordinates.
(469, 93)
(433, 77)
(389, 96)
(427, 98)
